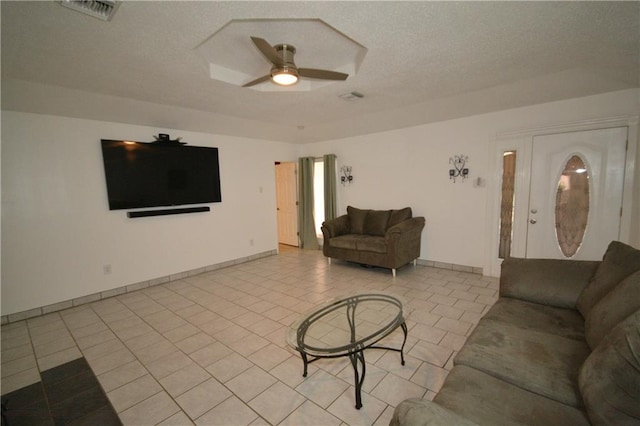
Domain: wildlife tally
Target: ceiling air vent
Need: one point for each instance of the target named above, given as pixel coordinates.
(101, 9)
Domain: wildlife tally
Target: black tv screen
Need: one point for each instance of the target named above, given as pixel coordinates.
(157, 174)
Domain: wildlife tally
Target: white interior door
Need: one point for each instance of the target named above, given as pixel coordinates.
(287, 203)
(575, 198)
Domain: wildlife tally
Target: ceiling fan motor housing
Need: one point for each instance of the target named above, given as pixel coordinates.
(286, 52)
(288, 70)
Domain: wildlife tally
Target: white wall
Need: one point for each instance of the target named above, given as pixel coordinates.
(58, 232)
(409, 167)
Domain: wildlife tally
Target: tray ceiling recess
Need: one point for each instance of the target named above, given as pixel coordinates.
(232, 56)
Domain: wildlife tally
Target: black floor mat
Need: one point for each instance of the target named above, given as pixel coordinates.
(69, 394)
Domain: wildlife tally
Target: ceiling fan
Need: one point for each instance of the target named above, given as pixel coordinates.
(284, 71)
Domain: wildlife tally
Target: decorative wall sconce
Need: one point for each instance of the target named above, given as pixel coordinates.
(346, 177)
(459, 170)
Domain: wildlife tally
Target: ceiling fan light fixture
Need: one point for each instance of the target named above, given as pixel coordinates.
(284, 76)
(284, 71)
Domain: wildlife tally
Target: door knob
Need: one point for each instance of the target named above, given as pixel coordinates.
(533, 221)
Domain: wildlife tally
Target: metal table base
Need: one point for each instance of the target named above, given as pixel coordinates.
(357, 354)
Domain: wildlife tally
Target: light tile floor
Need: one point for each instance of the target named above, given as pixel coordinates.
(210, 349)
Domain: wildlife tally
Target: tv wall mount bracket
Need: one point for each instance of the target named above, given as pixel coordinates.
(164, 138)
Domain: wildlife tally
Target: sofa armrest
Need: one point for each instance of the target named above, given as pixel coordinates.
(552, 282)
(410, 226)
(420, 412)
(335, 227)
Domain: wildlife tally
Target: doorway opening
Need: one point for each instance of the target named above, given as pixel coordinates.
(287, 203)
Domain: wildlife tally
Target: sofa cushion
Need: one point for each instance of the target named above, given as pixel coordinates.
(617, 305)
(610, 377)
(398, 216)
(375, 223)
(487, 400)
(553, 282)
(547, 319)
(356, 219)
(361, 243)
(335, 227)
(422, 412)
(344, 241)
(619, 261)
(539, 362)
(371, 243)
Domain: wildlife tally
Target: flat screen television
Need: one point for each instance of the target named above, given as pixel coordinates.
(153, 174)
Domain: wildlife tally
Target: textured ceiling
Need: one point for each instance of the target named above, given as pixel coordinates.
(234, 59)
(424, 62)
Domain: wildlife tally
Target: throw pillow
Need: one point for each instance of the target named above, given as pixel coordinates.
(376, 222)
(609, 379)
(356, 219)
(619, 262)
(617, 305)
(398, 216)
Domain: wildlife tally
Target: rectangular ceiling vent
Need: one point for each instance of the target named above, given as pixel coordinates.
(101, 9)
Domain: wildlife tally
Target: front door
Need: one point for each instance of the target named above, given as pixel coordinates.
(287, 203)
(575, 200)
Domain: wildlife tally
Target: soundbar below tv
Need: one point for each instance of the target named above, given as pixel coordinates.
(154, 174)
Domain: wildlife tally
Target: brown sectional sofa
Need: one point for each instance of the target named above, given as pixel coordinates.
(384, 238)
(561, 346)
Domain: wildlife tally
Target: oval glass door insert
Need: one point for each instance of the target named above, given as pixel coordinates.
(572, 206)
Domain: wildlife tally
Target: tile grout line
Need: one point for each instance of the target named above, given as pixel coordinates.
(178, 350)
(261, 275)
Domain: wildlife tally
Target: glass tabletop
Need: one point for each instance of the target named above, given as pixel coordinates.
(349, 323)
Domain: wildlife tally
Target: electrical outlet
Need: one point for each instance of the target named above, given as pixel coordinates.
(251, 242)
(106, 269)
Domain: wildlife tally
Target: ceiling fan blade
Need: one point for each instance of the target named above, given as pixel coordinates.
(268, 51)
(322, 74)
(258, 80)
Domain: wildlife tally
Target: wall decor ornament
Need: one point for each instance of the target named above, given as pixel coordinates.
(459, 170)
(346, 177)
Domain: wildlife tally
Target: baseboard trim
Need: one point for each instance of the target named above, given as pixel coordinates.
(60, 306)
(451, 266)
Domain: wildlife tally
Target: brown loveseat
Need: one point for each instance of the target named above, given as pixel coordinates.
(385, 238)
(561, 346)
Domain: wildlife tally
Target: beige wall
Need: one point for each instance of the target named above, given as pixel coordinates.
(410, 167)
(57, 231)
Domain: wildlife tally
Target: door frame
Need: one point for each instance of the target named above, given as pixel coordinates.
(522, 142)
(295, 164)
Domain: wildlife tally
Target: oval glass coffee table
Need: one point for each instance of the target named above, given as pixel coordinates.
(346, 327)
